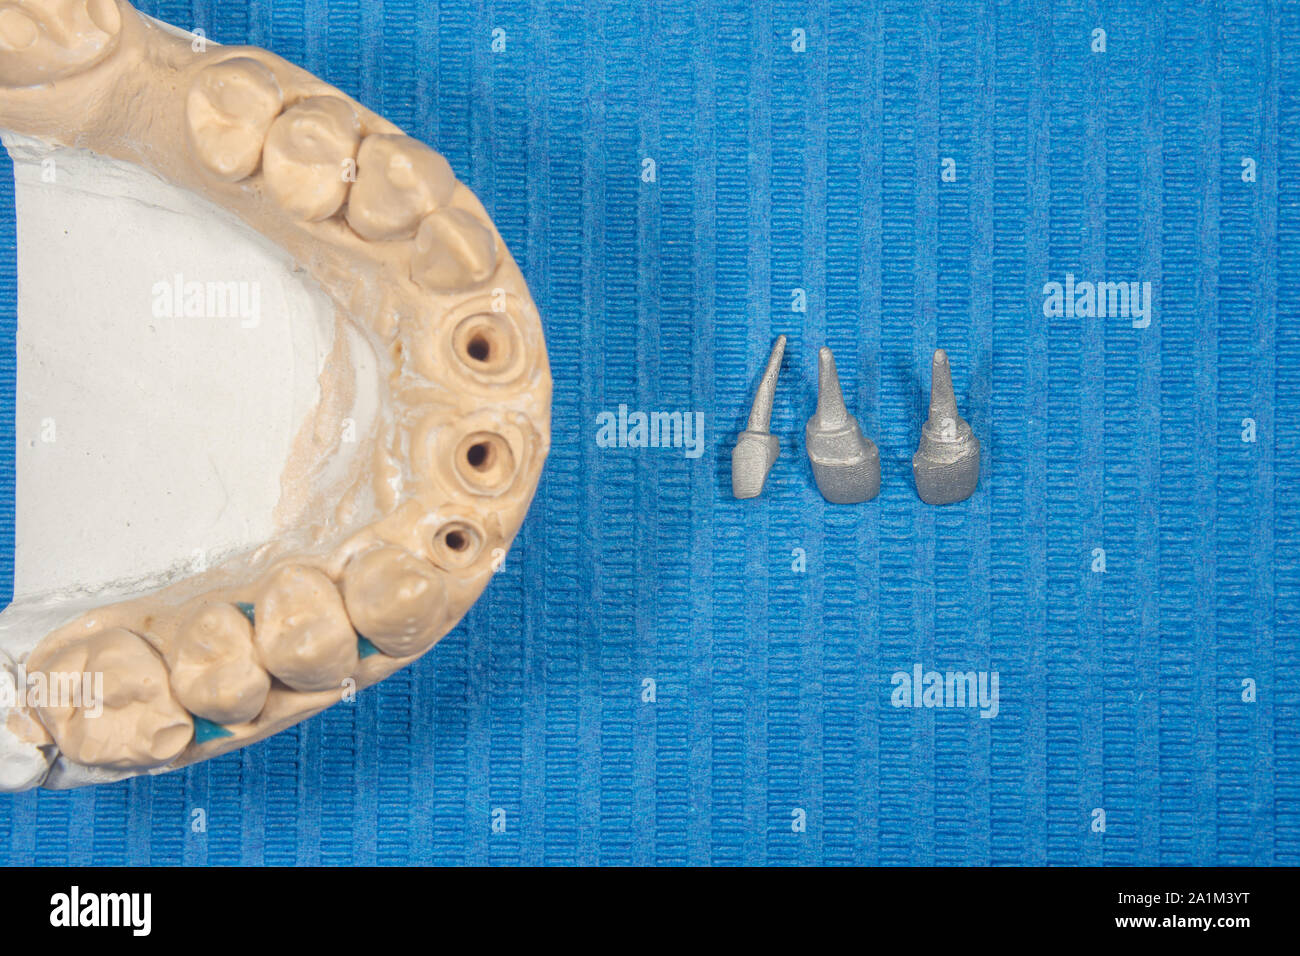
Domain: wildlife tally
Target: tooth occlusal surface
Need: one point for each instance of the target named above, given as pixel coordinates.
(399, 182)
(453, 250)
(308, 154)
(41, 42)
(214, 667)
(229, 110)
(134, 723)
(397, 601)
(303, 634)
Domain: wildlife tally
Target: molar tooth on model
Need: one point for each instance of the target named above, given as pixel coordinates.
(214, 667)
(399, 182)
(136, 723)
(229, 110)
(453, 250)
(46, 40)
(302, 632)
(305, 159)
(396, 600)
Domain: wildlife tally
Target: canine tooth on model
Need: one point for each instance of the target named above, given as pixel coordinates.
(396, 600)
(229, 110)
(137, 723)
(756, 447)
(214, 667)
(453, 250)
(399, 182)
(845, 463)
(302, 632)
(306, 154)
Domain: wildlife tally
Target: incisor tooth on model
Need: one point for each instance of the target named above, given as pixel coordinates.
(307, 154)
(214, 667)
(135, 723)
(399, 182)
(396, 600)
(302, 631)
(453, 250)
(229, 111)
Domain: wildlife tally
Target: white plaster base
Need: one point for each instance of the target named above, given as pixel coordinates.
(148, 445)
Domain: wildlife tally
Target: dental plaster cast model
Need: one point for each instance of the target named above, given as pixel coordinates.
(845, 463)
(946, 465)
(756, 447)
(385, 560)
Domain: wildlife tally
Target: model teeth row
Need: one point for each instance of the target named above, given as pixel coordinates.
(303, 630)
(316, 164)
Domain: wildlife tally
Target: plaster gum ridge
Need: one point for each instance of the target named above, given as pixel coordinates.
(378, 569)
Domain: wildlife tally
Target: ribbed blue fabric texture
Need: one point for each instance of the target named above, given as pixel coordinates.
(779, 169)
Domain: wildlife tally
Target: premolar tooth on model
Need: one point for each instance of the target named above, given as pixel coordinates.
(399, 182)
(845, 463)
(302, 633)
(18, 32)
(453, 250)
(307, 155)
(214, 667)
(135, 722)
(396, 600)
(946, 465)
(46, 40)
(229, 110)
(756, 447)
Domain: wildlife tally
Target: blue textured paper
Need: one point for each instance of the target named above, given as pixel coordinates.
(820, 170)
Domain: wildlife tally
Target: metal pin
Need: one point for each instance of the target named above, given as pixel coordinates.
(756, 447)
(946, 465)
(845, 464)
